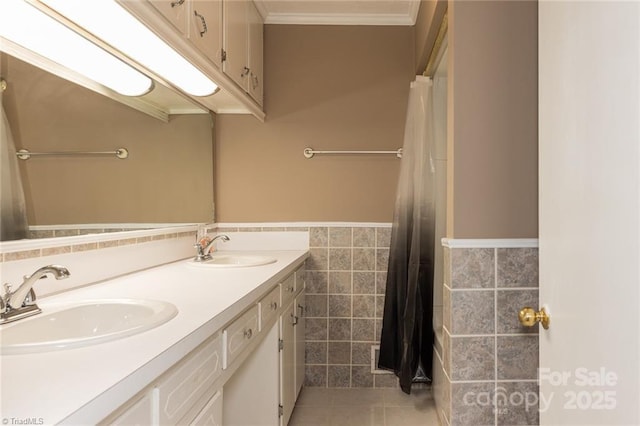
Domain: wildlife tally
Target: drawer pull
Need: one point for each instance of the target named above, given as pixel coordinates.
(301, 310)
(274, 306)
(248, 333)
(290, 289)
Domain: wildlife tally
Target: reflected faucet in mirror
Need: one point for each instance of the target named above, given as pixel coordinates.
(204, 246)
(22, 302)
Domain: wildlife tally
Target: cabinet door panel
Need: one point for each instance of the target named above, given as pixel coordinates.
(205, 28)
(287, 363)
(186, 383)
(140, 414)
(211, 414)
(236, 34)
(255, 53)
(299, 335)
(175, 11)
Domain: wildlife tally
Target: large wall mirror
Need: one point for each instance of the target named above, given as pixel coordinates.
(167, 178)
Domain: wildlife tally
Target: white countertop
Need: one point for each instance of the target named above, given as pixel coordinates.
(83, 385)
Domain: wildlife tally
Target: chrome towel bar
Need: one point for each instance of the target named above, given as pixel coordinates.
(25, 154)
(310, 152)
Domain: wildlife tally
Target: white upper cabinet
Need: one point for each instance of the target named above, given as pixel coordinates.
(199, 30)
(243, 46)
(256, 29)
(175, 11)
(205, 28)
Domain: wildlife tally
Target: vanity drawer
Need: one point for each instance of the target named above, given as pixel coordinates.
(269, 306)
(238, 335)
(288, 289)
(185, 383)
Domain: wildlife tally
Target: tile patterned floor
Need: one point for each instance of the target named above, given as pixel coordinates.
(364, 407)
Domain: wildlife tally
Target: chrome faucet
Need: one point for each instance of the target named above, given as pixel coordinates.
(22, 302)
(204, 246)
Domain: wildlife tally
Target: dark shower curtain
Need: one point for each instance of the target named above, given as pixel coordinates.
(407, 337)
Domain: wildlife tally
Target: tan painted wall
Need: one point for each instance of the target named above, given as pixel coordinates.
(167, 178)
(330, 88)
(492, 129)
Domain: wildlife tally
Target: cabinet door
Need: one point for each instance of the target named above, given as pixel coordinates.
(299, 335)
(256, 27)
(236, 34)
(287, 363)
(175, 11)
(187, 382)
(205, 28)
(211, 414)
(141, 413)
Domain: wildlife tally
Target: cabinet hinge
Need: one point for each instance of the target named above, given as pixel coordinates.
(223, 55)
(280, 410)
(280, 344)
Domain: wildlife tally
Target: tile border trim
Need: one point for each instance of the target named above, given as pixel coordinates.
(301, 224)
(491, 243)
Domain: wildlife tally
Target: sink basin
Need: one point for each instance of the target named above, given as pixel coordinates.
(76, 324)
(234, 261)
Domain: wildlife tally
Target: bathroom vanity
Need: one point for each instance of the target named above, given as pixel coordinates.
(233, 354)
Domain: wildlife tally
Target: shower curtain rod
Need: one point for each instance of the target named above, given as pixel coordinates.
(25, 154)
(310, 152)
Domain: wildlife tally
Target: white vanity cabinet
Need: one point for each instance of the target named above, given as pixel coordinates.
(211, 414)
(249, 372)
(243, 46)
(183, 394)
(141, 413)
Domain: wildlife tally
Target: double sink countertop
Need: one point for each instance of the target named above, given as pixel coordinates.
(84, 385)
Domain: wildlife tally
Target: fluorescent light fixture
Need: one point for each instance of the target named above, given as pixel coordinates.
(28, 27)
(110, 22)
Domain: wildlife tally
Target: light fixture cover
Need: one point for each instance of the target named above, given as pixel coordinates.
(110, 22)
(28, 27)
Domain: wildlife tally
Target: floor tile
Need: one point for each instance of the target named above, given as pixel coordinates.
(407, 416)
(357, 397)
(310, 416)
(357, 415)
(397, 398)
(316, 397)
(364, 407)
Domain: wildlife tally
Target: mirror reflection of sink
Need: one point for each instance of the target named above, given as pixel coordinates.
(76, 324)
(235, 260)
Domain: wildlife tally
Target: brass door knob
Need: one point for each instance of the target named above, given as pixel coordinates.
(529, 317)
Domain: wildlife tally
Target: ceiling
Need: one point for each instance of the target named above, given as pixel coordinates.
(339, 12)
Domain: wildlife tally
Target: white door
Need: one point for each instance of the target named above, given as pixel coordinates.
(589, 115)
